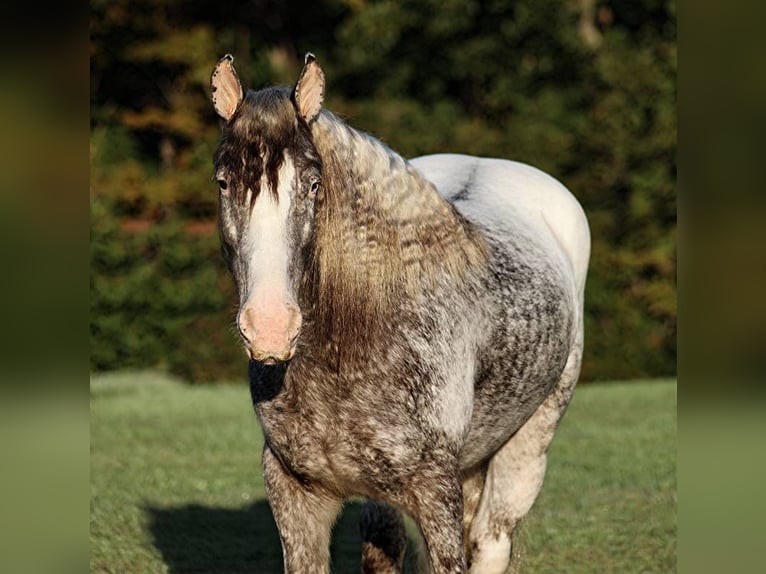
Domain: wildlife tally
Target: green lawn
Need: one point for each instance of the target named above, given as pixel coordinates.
(176, 483)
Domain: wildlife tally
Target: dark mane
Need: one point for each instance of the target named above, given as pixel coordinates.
(383, 238)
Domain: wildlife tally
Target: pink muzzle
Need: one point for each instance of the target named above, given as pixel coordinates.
(270, 330)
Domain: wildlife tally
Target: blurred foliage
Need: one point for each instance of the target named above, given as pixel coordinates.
(583, 89)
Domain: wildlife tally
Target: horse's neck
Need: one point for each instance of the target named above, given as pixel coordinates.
(384, 237)
(385, 212)
(375, 178)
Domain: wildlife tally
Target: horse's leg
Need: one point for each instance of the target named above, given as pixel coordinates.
(304, 517)
(435, 501)
(515, 476)
(384, 539)
(473, 485)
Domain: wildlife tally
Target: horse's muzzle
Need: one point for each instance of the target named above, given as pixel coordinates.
(270, 333)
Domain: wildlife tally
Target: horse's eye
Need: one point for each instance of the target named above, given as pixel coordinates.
(223, 184)
(314, 188)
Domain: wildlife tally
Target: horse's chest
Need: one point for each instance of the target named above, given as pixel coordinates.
(299, 439)
(348, 451)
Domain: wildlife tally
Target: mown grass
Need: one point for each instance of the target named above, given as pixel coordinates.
(176, 483)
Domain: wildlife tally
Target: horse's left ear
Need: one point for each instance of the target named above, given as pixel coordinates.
(309, 91)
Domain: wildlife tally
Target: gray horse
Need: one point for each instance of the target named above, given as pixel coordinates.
(414, 328)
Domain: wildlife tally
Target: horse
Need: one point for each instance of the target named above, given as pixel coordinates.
(414, 328)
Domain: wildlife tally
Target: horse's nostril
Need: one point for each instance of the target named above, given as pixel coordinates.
(242, 330)
(245, 324)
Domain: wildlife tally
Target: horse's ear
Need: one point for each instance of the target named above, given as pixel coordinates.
(225, 89)
(309, 91)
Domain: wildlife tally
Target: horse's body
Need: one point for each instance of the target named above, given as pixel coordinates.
(440, 336)
(540, 244)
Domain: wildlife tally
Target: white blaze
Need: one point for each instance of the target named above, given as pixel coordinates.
(267, 239)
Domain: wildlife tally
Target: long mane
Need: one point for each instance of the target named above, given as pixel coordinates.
(384, 238)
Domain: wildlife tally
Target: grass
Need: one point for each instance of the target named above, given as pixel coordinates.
(176, 483)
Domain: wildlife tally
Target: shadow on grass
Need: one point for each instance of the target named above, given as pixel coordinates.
(203, 539)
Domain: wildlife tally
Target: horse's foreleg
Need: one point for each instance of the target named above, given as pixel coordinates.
(304, 517)
(435, 500)
(384, 539)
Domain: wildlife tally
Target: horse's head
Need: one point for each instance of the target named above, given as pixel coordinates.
(268, 173)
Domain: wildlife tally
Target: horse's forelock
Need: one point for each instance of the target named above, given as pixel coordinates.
(255, 141)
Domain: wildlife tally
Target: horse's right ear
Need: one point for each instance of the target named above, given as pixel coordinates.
(225, 89)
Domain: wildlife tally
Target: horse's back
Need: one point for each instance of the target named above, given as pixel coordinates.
(508, 195)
